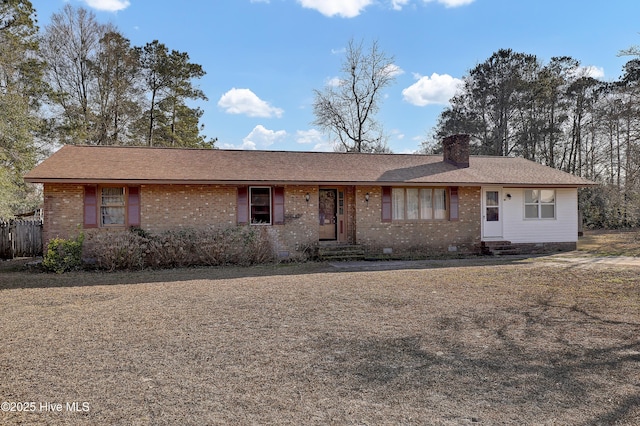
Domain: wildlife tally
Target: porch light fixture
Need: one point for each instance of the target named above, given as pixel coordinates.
(366, 197)
(307, 197)
(509, 196)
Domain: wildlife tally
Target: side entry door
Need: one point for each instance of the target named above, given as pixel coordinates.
(491, 213)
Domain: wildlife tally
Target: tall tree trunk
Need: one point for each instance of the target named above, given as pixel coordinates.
(151, 118)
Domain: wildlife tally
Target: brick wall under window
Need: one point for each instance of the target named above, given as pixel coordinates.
(169, 207)
(418, 236)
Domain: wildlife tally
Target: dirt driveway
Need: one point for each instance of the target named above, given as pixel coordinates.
(519, 341)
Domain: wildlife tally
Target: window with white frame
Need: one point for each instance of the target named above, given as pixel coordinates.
(419, 203)
(112, 206)
(260, 205)
(539, 204)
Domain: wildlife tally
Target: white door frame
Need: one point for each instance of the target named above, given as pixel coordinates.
(492, 223)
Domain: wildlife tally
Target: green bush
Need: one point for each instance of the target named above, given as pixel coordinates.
(64, 255)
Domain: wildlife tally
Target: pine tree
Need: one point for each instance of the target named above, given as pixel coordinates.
(21, 89)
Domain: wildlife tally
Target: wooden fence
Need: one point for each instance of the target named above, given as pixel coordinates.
(20, 238)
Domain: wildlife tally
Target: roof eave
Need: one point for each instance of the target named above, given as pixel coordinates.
(86, 181)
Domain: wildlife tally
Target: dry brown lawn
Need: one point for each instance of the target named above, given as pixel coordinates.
(611, 243)
(454, 342)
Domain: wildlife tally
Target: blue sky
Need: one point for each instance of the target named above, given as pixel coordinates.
(264, 58)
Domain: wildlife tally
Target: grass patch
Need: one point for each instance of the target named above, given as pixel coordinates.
(611, 243)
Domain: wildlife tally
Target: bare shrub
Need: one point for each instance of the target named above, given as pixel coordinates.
(238, 246)
(137, 249)
(117, 250)
(173, 249)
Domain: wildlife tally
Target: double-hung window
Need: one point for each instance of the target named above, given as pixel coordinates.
(419, 203)
(112, 206)
(539, 204)
(260, 205)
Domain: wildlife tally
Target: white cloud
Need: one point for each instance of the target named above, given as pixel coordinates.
(247, 146)
(589, 71)
(324, 146)
(397, 134)
(398, 4)
(437, 89)
(244, 101)
(262, 137)
(314, 137)
(353, 8)
(407, 151)
(308, 136)
(334, 82)
(452, 3)
(108, 5)
(343, 8)
(394, 70)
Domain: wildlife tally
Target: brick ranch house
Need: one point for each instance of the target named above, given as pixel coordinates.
(385, 203)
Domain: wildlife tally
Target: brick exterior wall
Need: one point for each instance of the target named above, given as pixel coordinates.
(300, 231)
(63, 211)
(350, 214)
(418, 238)
(165, 207)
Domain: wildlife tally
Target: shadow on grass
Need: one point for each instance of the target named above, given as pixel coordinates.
(529, 367)
(18, 275)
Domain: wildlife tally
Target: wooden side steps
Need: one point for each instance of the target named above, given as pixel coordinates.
(499, 248)
(340, 252)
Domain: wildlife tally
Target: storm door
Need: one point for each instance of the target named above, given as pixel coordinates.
(491, 214)
(327, 206)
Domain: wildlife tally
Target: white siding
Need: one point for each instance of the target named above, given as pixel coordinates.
(517, 229)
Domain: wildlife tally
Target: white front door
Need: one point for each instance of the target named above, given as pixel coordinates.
(491, 213)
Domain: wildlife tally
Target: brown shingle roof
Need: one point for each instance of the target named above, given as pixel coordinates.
(162, 165)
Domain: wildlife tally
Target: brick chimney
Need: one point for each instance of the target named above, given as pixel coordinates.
(456, 150)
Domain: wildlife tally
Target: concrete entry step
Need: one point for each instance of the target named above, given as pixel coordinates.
(340, 252)
(499, 248)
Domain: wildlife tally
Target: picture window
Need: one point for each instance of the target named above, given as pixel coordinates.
(415, 204)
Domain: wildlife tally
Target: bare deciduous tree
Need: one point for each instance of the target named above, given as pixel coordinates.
(346, 107)
(106, 92)
(69, 46)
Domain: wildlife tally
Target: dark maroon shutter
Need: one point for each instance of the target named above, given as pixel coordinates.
(90, 206)
(278, 205)
(386, 204)
(243, 205)
(453, 203)
(133, 206)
